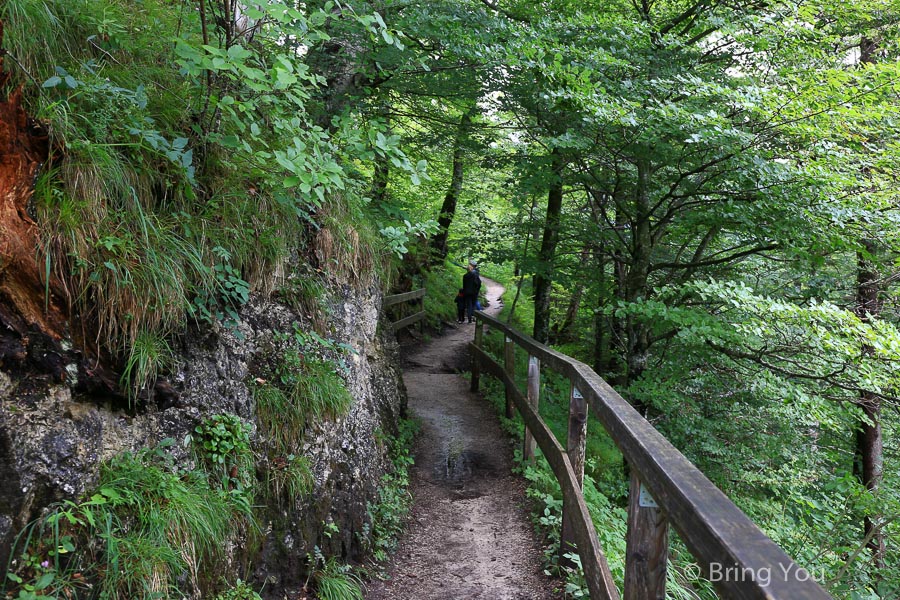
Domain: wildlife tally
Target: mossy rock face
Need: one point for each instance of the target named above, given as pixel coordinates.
(52, 446)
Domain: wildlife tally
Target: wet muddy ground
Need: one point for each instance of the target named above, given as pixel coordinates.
(469, 535)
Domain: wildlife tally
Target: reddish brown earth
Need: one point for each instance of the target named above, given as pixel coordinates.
(469, 535)
(23, 148)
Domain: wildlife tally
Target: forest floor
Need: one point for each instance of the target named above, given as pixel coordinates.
(469, 534)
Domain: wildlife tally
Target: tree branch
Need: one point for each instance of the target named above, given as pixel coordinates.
(717, 261)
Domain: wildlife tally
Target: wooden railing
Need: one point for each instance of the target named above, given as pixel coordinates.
(406, 297)
(733, 553)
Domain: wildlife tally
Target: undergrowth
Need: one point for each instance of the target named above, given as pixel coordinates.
(336, 581)
(299, 384)
(183, 176)
(221, 444)
(386, 515)
(146, 527)
(239, 591)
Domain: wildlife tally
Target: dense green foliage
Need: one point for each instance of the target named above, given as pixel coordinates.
(190, 161)
(725, 248)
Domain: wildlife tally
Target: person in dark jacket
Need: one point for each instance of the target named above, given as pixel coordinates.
(460, 306)
(471, 284)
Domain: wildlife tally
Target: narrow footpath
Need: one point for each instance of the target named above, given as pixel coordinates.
(469, 535)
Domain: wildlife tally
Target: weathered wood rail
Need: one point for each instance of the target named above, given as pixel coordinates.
(733, 553)
(406, 297)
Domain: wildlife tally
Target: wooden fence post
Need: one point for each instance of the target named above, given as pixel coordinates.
(509, 365)
(646, 547)
(534, 386)
(476, 366)
(422, 321)
(576, 443)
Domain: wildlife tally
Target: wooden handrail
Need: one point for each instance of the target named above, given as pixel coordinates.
(739, 559)
(593, 561)
(406, 321)
(398, 298)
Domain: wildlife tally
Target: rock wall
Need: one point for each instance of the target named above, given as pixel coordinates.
(52, 439)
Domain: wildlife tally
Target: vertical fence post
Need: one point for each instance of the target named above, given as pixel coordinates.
(509, 365)
(576, 442)
(476, 365)
(422, 320)
(646, 546)
(534, 386)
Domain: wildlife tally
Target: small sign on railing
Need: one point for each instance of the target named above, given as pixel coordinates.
(645, 500)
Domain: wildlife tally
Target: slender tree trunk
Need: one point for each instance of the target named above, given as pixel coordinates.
(380, 179)
(563, 331)
(601, 358)
(615, 365)
(869, 455)
(543, 278)
(637, 334)
(517, 271)
(869, 446)
(381, 174)
(448, 208)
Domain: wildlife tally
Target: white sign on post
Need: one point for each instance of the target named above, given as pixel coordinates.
(645, 500)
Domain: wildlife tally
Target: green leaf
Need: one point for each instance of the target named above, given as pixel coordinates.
(45, 580)
(238, 52)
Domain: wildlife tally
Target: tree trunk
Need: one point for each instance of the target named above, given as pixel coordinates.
(380, 179)
(615, 369)
(562, 333)
(517, 269)
(543, 278)
(869, 446)
(601, 358)
(382, 172)
(448, 208)
(637, 334)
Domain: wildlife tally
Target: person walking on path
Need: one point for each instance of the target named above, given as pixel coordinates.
(460, 306)
(471, 284)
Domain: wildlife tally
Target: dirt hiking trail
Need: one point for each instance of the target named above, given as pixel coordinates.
(469, 535)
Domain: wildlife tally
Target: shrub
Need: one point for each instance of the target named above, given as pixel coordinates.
(240, 591)
(386, 515)
(336, 581)
(222, 445)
